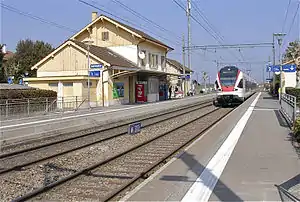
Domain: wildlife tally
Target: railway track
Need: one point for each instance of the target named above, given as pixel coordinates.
(23, 147)
(34, 162)
(18, 159)
(105, 179)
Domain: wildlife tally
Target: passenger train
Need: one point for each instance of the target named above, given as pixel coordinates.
(233, 86)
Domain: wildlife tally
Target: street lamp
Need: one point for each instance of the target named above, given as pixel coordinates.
(279, 38)
(88, 42)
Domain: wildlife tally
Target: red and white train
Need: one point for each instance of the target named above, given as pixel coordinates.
(233, 86)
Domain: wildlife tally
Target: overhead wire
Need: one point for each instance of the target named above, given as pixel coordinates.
(286, 15)
(29, 15)
(127, 21)
(209, 32)
(292, 24)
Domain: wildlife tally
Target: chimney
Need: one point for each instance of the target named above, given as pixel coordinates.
(94, 15)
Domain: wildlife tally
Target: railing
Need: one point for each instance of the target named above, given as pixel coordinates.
(285, 195)
(18, 108)
(288, 104)
(15, 108)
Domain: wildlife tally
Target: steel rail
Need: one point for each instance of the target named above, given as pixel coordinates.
(90, 168)
(201, 106)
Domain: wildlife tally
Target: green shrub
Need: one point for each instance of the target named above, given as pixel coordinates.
(21, 94)
(293, 91)
(296, 129)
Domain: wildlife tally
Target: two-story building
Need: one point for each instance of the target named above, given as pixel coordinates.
(176, 68)
(126, 65)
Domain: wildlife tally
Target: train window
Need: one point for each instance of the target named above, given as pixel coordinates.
(240, 85)
(217, 85)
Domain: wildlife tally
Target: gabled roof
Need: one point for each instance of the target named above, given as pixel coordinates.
(177, 65)
(102, 54)
(109, 56)
(128, 28)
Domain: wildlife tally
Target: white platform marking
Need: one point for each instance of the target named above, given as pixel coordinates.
(205, 183)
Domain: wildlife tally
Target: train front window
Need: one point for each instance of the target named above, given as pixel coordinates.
(228, 76)
(228, 81)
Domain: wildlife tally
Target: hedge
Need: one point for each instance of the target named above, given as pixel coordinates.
(28, 93)
(293, 91)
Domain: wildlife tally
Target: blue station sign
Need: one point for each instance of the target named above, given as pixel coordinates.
(285, 68)
(96, 66)
(94, 73)
(134, 128)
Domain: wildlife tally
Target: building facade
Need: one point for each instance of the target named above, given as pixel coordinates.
(127, 65)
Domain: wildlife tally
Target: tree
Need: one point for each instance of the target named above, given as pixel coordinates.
(2, 72)
(28, 53)
(292, 52)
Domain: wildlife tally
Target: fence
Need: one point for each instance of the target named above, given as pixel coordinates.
(286, 195)
(289, 108)
(17, 108)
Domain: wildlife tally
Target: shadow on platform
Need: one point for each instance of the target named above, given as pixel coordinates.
(221, 191)
(281, 120)
(270, 98)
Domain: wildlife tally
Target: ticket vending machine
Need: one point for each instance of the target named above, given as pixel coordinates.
(141, 91)
(163, 92)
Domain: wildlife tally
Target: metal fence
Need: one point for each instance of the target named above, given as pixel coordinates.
(289, 107)
(17, 108)
(286, 195)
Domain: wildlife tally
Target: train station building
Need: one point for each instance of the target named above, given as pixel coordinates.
(126, 66)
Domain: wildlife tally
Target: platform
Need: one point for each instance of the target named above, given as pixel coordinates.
(240, 159)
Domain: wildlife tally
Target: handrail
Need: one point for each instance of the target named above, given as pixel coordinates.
(287, 193)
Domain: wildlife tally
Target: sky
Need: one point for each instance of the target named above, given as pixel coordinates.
(237, 21)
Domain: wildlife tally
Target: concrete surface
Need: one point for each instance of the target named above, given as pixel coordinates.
(29, 128)
(263, 156)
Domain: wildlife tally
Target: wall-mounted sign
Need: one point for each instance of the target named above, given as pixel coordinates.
(94, 66)
(94, 73)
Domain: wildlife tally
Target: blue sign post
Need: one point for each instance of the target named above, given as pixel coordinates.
(134, 128)
(285, 68)
(94, 73)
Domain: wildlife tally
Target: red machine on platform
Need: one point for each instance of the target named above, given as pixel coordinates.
(140, 92)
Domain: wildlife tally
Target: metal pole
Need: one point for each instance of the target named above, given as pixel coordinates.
(183, 61)
(280, 63)
(89, 76)
(189, 35)
(273, 49)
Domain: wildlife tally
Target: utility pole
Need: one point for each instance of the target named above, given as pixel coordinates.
(183, 61)
(88, 42)
(189, 35)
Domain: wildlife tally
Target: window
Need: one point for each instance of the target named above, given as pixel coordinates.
(68, 84)
(240, 85)
(217, 85)
(156, 61)
(162, 61)
(53, 84)
(150, 60)
(91, 83)
(105, 36)
(143, 61)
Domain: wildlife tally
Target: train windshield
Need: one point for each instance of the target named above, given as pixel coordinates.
(228, 76)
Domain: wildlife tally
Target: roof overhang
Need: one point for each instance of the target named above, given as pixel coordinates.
(68, 43)
(62, 78)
